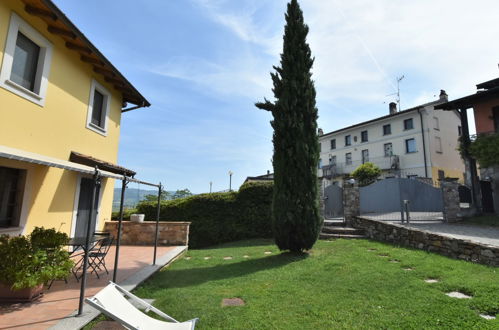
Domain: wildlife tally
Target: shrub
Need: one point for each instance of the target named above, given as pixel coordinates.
(485, 149)
(366, 173)
(126, 214)
(219, 217)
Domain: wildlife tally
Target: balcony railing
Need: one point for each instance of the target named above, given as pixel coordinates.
(338, 169)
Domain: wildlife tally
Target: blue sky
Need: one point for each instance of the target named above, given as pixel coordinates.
(204, 63)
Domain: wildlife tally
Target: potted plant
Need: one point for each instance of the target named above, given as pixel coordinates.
(137, 217)
(30, 261)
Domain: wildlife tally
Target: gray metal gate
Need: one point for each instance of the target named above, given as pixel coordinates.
(385, 199)
(333, 202)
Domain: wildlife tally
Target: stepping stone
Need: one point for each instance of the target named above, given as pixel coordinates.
(232, 302)
(488, 317)
(207, 258)
(458, 295)
(408, 269)
(108, 325)
(245, 256)
(384, 255)
(187, 258)
(267, 252)
(227, 258)
(394, 261)
(431, 280)
(372, 249)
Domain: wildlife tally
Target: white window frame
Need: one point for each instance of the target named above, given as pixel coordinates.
(438, 145)
(107, 104)
(17, 24)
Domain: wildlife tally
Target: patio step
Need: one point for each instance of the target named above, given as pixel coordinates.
(341, 230)
(346, 236)
(335, 222)
(336, 229)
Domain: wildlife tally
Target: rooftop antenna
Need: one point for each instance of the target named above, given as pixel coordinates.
(399, 79)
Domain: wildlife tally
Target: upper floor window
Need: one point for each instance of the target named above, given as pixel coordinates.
(410, 146)
(348, 158)
(320, 147)
(11, 193)
(408, 124)
(332, 160)
(26, 62)
(98, 108)
(348, 140)
(363, 136)
(436, 123)
(388, 148)
(333, 144)
(387, 129)
(438, 144)
(365, 156)
(319, 165)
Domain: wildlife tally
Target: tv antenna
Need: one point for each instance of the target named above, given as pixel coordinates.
(399, 79)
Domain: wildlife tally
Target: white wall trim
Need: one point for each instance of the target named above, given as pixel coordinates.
(17, 24)
(107, 104)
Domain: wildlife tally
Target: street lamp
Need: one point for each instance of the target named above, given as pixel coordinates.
(230, 180)
(210, 186)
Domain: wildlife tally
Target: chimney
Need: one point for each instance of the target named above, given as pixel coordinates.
(393, 108)
(444, 96)
(320, 131)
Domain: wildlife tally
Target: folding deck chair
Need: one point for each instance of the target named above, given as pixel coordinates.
(111, 301)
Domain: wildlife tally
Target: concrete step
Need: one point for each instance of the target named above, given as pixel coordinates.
(335, 236)
(342, 230)
(335, 222)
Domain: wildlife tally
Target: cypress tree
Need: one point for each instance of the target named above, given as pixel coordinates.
(296, 220)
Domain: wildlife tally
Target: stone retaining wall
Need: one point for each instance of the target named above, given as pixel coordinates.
(425, 240)
(143, 233)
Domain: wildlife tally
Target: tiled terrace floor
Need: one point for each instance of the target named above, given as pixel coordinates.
(62, 299)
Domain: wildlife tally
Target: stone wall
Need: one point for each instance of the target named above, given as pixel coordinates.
(450, 194)
(424, 240)
(351, 201)
(143, 233)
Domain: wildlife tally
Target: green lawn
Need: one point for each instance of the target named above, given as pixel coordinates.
(485, 220)
(340, 284)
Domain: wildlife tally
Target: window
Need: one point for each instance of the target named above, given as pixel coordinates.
(387, 129)
(348, 140)
(320, 147)
(438, 144)
(348, 158)
(333, 144)
(388, 149)
(332, 160)
(410, 146)
(11, 193)
(98, 108)
(26, 62)
(365, 156)
(412, 176)
(459, 131)
(436, 124)
(363, 136)
(408, 124)
(441, 174)
(319, 165)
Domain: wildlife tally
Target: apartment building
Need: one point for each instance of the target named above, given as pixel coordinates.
(417, 142)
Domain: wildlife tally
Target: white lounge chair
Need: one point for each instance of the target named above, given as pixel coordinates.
(111, 301)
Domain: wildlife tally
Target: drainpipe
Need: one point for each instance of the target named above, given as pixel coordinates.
(424, 144)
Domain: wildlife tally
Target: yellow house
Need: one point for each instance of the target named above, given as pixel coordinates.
(61, 102)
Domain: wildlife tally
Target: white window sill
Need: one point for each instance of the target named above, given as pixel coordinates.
(10, 229)
(97, 129)
(22, 92)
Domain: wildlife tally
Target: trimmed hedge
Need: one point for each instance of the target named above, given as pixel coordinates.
(220, 217)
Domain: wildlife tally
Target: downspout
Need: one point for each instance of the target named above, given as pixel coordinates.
(424, 144)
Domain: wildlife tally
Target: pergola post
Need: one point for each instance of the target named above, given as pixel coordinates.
(124, 183)
(158, 210)
(93, 206)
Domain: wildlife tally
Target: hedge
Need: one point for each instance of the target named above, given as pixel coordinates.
(220, 217)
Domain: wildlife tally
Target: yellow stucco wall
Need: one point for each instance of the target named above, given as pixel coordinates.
(56, 129)
(449, 173)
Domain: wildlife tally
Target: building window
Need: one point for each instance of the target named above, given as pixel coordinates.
(348, 158)
(365, 156)
(438, 144)
(319, 165)
(320, 147)
(333, 144)
(436, 124)
(332, 160)
(412, 176)
(26, 62)
(11, 193)
(98, 108)
(387, 129)
(388, 147)
(348, 140)
(363, 136)
(459, 131)
(441, 174)
(410, 146)
(408, 124)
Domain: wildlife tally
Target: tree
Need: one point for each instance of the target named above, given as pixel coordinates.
(485, 149)
(182, 193)
(296, 220)
(165, 195)
(366, 173)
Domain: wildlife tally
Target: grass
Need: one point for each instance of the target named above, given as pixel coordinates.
(485, 220)
(340, 284)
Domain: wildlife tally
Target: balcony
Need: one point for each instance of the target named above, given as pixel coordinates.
(339, 169)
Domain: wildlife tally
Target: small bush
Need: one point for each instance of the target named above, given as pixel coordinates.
(219, 217)
(126, 214)
(366, 173)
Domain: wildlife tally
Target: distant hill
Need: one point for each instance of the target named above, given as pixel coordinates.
(132, 197)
